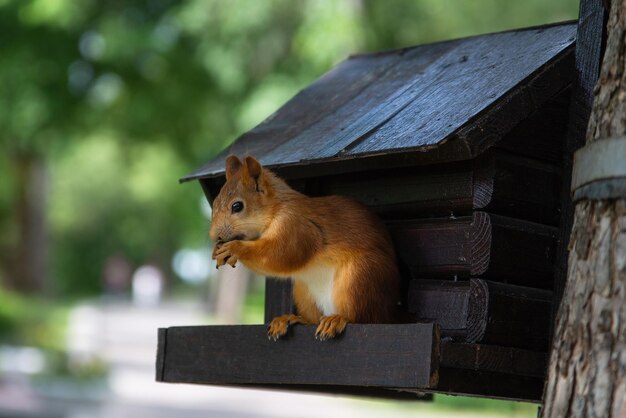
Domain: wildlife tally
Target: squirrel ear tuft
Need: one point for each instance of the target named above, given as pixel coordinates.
(253, 167)
(233, 165)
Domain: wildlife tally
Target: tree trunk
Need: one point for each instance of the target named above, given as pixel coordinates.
(587, 371)
(27, 259)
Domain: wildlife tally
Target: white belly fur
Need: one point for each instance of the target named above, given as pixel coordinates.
(319, 280)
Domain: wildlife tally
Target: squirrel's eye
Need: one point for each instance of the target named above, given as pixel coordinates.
(236, 207)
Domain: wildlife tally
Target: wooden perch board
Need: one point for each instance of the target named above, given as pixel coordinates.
(394, 361)
(402, 356)
(479, 311)
(492, 247)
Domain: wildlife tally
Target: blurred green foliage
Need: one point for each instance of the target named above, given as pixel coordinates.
(30, 321)
(120, 98)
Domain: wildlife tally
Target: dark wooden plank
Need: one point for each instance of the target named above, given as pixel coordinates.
(541, 135)
(357, 391)
(492, 358)
(492, 371)
(522, 252)
(468, 81)
(278, 298)
(364, 355)
(518, 187)
(160, 356)
(479, 311)
(519, 103)
(514, 315)
(490, 385)
(500, 183)
(485, 245)
(444, 302)
(375, 105)
(409, 191)
(305, 108)
(443, 247)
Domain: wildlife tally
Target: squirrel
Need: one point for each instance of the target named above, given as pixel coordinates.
(337, 252)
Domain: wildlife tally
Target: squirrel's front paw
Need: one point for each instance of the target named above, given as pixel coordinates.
(226, 253)
(279, 325)
(330, 326)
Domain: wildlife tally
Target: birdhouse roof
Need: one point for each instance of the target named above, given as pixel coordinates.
(438, 102)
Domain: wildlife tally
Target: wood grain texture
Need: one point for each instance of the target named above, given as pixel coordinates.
(480, 311)
(364, 355)
(375, 106)
(519, 187)
(379, 360)
(498, 182)
(490, 385)
(492, 358)
(491, 371)
(469, 92)
(519, 104)
(541, 135)
(485, 245)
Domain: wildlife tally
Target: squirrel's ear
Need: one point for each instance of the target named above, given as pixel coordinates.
(253, 167)
(233, 165)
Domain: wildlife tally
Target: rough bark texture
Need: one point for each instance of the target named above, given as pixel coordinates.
(587, 372)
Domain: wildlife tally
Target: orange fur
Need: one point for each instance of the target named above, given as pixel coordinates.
(338, 252)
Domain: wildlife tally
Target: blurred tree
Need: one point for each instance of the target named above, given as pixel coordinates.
(117, 99)
(35, 111)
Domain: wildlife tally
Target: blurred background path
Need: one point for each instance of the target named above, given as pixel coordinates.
(123, 336)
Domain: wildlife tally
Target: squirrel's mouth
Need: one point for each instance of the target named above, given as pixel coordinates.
(235, 238)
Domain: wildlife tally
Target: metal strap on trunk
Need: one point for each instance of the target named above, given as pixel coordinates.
(599, 170)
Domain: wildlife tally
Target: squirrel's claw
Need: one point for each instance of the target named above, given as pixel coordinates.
(232, 260)
(279, 325)
(330, 326)
(277, 328)
(223, 254)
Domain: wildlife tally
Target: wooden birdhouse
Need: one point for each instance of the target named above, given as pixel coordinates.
(458, 147)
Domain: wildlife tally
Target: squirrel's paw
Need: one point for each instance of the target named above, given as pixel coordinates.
(330, 326)
(279, 325)
(225, 254)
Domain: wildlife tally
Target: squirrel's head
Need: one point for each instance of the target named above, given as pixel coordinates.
(241, 209)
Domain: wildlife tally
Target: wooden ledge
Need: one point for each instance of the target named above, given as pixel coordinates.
(399, 361)
(386, 356)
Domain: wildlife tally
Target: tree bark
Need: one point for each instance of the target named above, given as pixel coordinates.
(587, 371)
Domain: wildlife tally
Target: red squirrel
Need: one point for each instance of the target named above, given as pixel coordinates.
(337, 252)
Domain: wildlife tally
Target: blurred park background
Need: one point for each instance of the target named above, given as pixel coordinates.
(103, 106)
